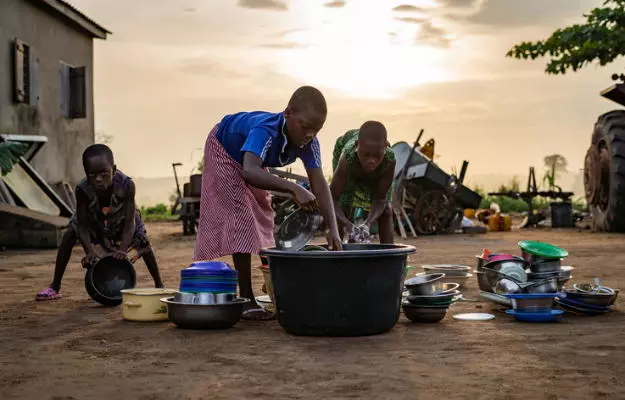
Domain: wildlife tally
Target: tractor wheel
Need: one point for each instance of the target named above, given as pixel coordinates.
(604, 173)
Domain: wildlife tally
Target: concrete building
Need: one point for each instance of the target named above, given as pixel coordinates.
(46, 81)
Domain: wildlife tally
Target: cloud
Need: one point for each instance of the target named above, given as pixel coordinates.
(459, 3)
(263, 4)
(407, 8)
(514, 13)
(285, 45)
(411, 20)
(335, 4)
(432, 35)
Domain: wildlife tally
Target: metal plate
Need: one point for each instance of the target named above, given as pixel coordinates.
(297, 230)
(474, 317)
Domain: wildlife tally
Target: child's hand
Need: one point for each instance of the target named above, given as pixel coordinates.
(334, 242)
(120, 255)
(92, 258)
(306, 200)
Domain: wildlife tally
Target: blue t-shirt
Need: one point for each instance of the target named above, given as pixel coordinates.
(263, 134)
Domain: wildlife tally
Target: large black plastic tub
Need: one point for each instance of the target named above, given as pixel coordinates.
(354, 292)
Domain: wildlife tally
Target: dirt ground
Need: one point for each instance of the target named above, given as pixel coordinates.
(74, 349)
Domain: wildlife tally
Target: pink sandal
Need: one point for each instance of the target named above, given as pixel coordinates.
(48, 294)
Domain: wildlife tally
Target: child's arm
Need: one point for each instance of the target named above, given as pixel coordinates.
(82, 226)
(320, 188)
(257, 176)
(337, 186)
(380, 202)
(128, 231)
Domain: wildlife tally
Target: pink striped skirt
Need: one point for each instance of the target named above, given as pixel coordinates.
(234, 216)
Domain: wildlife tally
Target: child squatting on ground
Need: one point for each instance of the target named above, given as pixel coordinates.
(364, 165)
(106, 220)
(236, 217)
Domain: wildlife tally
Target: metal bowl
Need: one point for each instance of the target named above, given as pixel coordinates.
(205, 316)
(585, 288)
(447, 269)
(532, 259)
(546, 266)
(544, 286)
(507, 286)
(594, 299)
(424, 314)
(480, 262)
(460, 280)
(482, 281)
(450, 287)
(425, 284)
(435, 299)
(501, 264)
(493, 277)
(566, 271)
(540, 276)
(533, 305)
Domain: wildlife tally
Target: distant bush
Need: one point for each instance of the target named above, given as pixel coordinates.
(507, 204)
(159, 212)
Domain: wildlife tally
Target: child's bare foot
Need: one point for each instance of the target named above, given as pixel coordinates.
(254, 312)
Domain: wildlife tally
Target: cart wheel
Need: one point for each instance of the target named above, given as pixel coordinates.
(434, 213)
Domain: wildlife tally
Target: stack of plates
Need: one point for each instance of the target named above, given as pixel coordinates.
(208, 277)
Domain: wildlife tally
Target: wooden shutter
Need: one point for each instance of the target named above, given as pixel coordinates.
(19, 55)
(65, 92)
(78, 92)
(33, 72)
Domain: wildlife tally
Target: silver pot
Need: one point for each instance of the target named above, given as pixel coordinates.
(544, 286)
(425, 284)
(546, 266)
(533, 305)
(205, 316)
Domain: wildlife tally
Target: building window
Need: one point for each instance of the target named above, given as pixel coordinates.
(25, 66)
(73, 91)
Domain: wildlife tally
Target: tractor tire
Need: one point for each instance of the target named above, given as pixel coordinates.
(604, 173)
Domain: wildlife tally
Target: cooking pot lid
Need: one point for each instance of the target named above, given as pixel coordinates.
(297, 229)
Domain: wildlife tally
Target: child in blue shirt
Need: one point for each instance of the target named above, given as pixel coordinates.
(236, 217)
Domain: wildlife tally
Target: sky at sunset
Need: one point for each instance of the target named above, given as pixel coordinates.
(172, 69)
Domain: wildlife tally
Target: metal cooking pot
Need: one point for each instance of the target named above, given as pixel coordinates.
(105, 280)
(205, 316)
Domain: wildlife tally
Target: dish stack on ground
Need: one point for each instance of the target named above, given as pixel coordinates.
(587, 299)
(207, 297)
(429, 297)
(208, 282)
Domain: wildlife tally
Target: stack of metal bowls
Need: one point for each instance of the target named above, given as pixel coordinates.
(429, 297)
(545, 262)
(206, 298)
(454, 273)
(587, 299)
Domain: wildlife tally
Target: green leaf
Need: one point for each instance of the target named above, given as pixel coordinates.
(10, 153)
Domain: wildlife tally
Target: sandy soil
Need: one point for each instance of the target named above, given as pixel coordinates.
(74, 349)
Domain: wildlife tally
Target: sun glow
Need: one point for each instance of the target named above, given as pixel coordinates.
(363, 50)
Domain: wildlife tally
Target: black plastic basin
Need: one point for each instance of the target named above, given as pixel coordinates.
(353, 292)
